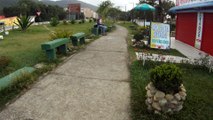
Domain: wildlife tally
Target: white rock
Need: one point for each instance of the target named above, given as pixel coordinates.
(157, 112)
(156, 106)
(39, 65)
(183, 89)
(169, 97)
(169, 111)
(1, 37)
(162, 102)
(149, 108)
(149, 100)
(159, 95)
(146, 88)
(177, 96)
(182, 95)
(150, 86)
(178, 108)
(153, 90)
(148, 93)
(174, 102)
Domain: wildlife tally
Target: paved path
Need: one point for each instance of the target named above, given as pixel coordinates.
(91, 85)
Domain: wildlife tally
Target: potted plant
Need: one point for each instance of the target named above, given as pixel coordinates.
(165, 92)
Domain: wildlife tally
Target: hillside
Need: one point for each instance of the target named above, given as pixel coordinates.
(62, 3)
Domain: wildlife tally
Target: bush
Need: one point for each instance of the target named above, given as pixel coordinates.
(90, 20)
(60, 34)
(173, 27)
(72, 21)
(54, 22)
(4, 62)
(138, 36)
(64, 22)
(24, 22)
(166, 78)
(82, 21)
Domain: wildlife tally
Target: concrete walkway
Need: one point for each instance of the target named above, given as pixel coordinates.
(91, 85)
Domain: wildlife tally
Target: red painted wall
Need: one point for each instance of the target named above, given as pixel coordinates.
(186, 27)
(207, 37)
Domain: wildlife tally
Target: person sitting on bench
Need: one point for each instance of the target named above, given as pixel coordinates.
(101, 26)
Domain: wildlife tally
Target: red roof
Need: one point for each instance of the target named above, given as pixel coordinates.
(2, 17)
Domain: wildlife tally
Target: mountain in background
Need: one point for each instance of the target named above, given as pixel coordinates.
(61, 3)
(64, 3)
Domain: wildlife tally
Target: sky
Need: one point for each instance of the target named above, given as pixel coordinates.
(129, 4)
(122, 4)
(117, 3)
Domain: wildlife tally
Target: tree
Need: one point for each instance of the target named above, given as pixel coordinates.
(30, 7)
(162, 8)
(104, 8)
(114, 13)
(24, 22)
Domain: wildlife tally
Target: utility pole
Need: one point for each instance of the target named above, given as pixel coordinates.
(132, 11)
(125, 14)
(160, 11)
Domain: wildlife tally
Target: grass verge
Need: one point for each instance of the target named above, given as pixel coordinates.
(24, 48)
(198, 82)
(24, 82)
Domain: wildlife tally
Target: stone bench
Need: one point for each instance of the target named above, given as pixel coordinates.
(9, 79)
(78, 36)
(51, 47)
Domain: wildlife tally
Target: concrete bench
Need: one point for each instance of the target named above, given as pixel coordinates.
(9, 79)
(51, 47)
(96, 31)
(78, 36)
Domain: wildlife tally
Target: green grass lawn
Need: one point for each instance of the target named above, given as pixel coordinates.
(199, 86)
(23, 48)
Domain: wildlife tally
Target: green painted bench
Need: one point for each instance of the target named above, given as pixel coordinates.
(9, 79)
(96, 31)
(78, 36)
(51, 47)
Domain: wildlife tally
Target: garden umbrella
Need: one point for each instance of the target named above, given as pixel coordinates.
(144, 7)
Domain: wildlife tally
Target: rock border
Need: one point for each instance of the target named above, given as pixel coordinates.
(159, 102)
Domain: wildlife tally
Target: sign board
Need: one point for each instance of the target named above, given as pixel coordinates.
(160, 35)
(199, 30)
(9, 22)
(185, 2)
(74, 8)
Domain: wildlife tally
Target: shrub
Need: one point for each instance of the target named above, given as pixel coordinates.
(24, 22)
(72, 21)
(54, 21)
(82, 21)
(64, 22)
(138, 36)
(4, 62)
(60, 34)
(90, 20)
(166, 78)
(141, 28)
(173, 27)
